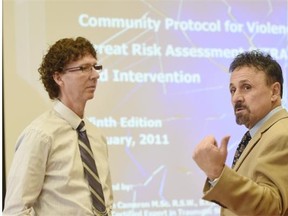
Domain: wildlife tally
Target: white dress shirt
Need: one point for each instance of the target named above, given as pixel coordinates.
(46, 176)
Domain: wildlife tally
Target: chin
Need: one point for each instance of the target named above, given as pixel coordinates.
(90, 97)
(242, 120)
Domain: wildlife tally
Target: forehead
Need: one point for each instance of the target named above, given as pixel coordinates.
(87, 59)
(249, 74)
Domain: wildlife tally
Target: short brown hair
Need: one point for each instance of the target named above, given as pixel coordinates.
(262, 62)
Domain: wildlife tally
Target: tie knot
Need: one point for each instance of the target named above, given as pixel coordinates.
(81, 126)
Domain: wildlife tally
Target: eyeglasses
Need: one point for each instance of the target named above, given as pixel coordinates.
(85, 68)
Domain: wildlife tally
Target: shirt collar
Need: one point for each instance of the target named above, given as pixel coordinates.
(263, 120)
(67, 114)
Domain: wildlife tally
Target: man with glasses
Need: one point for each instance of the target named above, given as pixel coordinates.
(49, 174)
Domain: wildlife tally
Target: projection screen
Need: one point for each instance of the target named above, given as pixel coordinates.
(163, 88)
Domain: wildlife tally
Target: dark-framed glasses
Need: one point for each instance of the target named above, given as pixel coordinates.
(85, 68)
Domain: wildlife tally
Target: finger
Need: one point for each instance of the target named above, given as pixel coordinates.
(224, 143)
(202, 146)
(210, 140)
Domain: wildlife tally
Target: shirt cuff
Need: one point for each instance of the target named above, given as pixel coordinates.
(213, 182)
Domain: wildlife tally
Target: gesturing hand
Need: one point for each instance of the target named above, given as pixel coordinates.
(209, 157)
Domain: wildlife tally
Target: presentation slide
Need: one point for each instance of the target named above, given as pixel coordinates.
(163, 88)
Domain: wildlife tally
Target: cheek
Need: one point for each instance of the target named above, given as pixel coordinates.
(76, 83)
(260, 104)
(73, 87)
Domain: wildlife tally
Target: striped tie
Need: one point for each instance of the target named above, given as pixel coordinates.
(246, 138)
(91, 171)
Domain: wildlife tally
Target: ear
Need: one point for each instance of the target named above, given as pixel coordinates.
(58, 78)
(276, 88)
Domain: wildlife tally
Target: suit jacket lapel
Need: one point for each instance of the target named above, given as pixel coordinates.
(255, 139)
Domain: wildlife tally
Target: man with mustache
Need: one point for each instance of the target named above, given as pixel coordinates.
(257, 183)
(53, 170)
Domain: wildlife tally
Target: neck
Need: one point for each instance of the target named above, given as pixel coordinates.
(77, 108)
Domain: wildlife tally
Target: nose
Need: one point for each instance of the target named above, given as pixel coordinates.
(236, 97)
(94, 74)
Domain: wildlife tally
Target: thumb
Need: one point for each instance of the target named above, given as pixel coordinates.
(224, 143)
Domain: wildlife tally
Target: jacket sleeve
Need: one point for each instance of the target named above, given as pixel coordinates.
(244, 196)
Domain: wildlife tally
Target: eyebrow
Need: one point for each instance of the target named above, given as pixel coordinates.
(80, 66)
(241, 82)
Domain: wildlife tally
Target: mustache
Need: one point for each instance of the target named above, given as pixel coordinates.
(239, 105)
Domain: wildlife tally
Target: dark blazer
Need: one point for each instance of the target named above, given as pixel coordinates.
(258, 183)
